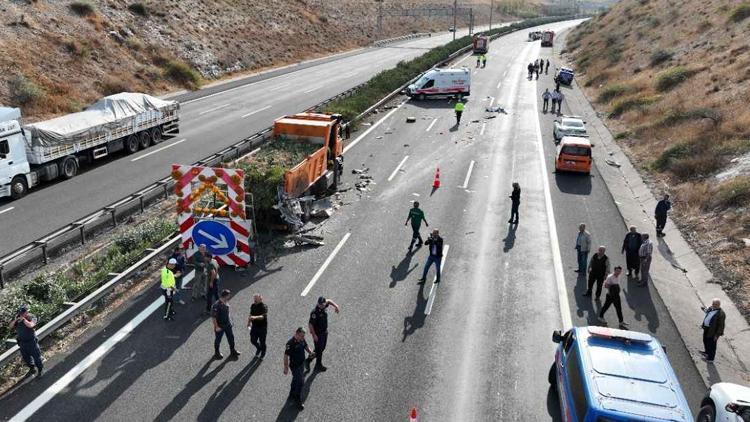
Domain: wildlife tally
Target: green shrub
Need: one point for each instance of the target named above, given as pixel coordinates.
(734, 192)
(182, 73)
(632, 103)
(615, 90)
(674, 153)
(677, 116)
(623, 135)
(23, 91)
(740, 13)
(82, 8)
(138, 9)
(670, 78)
(660, 56)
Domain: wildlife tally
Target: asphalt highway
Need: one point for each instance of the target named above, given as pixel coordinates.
(207, 125)
(477, 346)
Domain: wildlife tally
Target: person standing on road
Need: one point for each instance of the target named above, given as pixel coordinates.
(546, 68)
(713, 328)
(612, 284)
(435, 243)
(545, 97)
(179, 268)
(660, 214)
(416, 216)
(515, 202)
(212, 281)
(168, 287)
(583, 246)
(644, 254)
(318, 326)
(223, 325)
(479, 60)
(199, 281)
(560, 98)
(294, 359)
(598, 270)
(555, 98)
(459, 109)
(484, 61)
(530, 68)
(536, 69)
(24, 324)
(257, 323)
(630, 247)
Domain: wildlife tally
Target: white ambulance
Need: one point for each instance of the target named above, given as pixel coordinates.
(441, 82)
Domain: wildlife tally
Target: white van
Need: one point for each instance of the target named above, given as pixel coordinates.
(441, 82)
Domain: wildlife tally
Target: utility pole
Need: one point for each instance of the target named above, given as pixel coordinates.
(471, 21)
(455, 4)
(492, 4)
(380, 18)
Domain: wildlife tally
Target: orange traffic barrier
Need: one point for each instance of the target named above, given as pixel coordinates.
(436, 183)
(413, 415)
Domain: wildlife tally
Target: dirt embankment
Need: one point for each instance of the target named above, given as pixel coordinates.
(674, 78)
(59, 56)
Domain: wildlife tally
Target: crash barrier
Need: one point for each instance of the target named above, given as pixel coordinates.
(381, 43)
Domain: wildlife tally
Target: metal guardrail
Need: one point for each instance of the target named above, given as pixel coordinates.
(401, 38)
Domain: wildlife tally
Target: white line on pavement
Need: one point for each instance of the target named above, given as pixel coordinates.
(492, 101)
(89, 360)
(315, 88)
(397, 168)
(562, 292)
(431, 124)
(376, 124)
(468, 175)
(158, 150)
(325, 265)
(213, 109)
(433, 290)
(500, 83)
(256, 111)
(481, 132)
(6, 210)
(278, 87)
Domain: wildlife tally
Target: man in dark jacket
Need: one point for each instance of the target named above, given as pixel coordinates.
(662, 208)
(24, 324)
(713, 328)
(435, 244)
(630, 247)
(598, 271)
(515, 202)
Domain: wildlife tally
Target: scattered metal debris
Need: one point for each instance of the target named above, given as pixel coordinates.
(612, 163)
(411, 119)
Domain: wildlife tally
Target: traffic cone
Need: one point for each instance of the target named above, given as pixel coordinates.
(436, 183)
(413, 415)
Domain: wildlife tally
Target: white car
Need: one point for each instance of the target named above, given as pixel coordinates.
(569, 126)
(725, 402)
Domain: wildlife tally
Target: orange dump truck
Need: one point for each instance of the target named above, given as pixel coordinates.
(322, 169)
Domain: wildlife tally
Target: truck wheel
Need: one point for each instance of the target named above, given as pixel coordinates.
(144, 139)
(552, 377)
(18, 187)
(131, 144)
(422, 97)
(69, 167)
(706, 414)
(155, 135)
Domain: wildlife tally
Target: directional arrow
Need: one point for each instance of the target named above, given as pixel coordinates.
(218, 243)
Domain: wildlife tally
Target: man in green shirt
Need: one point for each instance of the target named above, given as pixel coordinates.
(416, 215)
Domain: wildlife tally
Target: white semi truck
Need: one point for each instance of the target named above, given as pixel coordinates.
(51, 149)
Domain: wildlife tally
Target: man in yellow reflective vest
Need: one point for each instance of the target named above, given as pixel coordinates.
(459, 108)
(168, 288)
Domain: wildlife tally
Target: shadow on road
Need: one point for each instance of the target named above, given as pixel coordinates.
(574, 184)
(400, 272)
(586, 304)
(416, 320)
(553, 404)
(289, 411)
(510, 239)
(199, 381)
(639, 300)
(226, 393)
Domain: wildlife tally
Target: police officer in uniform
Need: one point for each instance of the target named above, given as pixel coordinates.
(294, 359)
(319, 329)
(24, 324)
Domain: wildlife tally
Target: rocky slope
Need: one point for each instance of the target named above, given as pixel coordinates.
(674, 77)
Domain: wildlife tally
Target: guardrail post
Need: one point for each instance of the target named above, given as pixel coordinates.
(140, 200)
(82, 229)
(113, 211)
(45, 258)
(2, 278)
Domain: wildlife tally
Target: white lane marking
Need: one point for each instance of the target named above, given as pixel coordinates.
(367, 132)
(256, 111)
(499, 84)
(481, 132)
(278, 87)
(431, 124)
(89, 360)
(325, 265)
(468, 175)
(492, 101)
(158, 150)
(6, 210)
(433, 290)
(213, 109)
(313, 89)
(562, 292)
(397, 168)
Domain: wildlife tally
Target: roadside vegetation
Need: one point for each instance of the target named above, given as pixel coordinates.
(677, 103)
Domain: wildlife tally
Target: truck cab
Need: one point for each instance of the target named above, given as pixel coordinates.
(14, 167)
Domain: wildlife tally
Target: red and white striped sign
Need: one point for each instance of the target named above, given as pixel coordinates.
(225, 186)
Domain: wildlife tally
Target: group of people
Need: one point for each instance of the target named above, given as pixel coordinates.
(434, 242)
(557, 98)
(482, 60)
(538, 66)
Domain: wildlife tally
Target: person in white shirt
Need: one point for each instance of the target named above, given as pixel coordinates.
(612, 284)
(647, 248)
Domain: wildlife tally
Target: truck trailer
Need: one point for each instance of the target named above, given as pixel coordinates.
(547, 38)
(481, 44)
(55, 148)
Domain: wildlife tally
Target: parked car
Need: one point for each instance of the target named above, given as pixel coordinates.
(568, 126)
(565, 76)
(725, 402)
(451, 29)
(606, 374)
(574, 154)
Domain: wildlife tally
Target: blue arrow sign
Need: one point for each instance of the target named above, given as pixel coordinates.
(218, 238)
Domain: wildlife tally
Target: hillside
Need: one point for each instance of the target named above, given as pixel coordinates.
(674, 79)
(60, 55)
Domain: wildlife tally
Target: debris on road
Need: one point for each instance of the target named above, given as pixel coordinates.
(378, 137)
(360, 171)
(612, 163)
(406, 145)
(367, 124)
(411, 119)
(496, 109)
(389, 131)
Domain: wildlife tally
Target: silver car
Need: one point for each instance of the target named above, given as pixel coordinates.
(569, 126)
